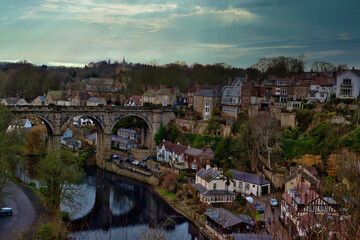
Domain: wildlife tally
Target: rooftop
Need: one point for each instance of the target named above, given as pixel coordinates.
(248, 177)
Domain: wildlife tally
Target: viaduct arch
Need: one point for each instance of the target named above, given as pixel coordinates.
(104, 117)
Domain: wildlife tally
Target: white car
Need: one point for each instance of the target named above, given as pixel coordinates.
(136, 163)
(273, 202)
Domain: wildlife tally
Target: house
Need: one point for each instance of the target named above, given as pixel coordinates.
(190, 92)
(212, 187)
(39, 101)
(348, 84)
(182, 99)
(123, 143)
(277, 90)
(166, 96)
(251, 94)
(320, 89)
(300, 202)
(106, 88)
(23, 124)
(198, 158)
(248, 183)
(163, 96)
(68, 140)
(231, 97)
(171, 153)
(206, 100)
(95, 101)
(56, 97)
(91, 139)
(133, 101)
(302, 173)
(80, 98)
(13, 101)
(224, 224)
(129, 133)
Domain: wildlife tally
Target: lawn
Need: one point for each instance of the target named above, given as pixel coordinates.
(167, 194)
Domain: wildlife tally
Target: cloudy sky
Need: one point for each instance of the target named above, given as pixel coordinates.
(237, 32)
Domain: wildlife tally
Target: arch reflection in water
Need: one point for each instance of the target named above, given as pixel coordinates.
(125, 209)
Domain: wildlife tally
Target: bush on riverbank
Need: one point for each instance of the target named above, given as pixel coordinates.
(46, 232)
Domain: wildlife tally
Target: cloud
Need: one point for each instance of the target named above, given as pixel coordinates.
(228, 15)
(322, 54)
(238, 51)
(5, 18)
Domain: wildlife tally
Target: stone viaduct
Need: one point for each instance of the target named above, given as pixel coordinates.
(56, 118)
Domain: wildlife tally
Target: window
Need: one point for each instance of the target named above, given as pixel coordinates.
(247, 187)
(234, 184)
(346, 82)
(214, 187)
(277, 91)
(284, 91)
(240, 185)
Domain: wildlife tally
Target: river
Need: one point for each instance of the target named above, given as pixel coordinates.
(108, 206)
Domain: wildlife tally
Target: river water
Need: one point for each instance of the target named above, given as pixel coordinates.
(108, 206)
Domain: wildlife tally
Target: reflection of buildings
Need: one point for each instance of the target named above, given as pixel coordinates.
(69, 141)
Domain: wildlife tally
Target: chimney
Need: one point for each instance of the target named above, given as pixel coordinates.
(229, 81)
(246, 78)
(207, 166)
(353, 68)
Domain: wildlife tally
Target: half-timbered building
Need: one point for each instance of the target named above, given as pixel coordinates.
(299, 202)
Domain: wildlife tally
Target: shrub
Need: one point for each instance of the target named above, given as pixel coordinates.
(44, 191)
(32, 184)
(65, 216)
(46, 231)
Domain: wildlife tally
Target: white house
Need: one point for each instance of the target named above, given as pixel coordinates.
(320, 90)
(250, 183)
(212, 187)
(348, 84)
(171, 153)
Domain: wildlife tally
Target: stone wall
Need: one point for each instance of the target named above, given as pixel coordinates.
(288, 120)
(277, 179)
(198, 127)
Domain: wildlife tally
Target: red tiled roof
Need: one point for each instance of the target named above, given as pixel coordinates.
(323, 81)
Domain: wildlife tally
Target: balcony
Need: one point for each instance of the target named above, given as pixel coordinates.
(346, 85)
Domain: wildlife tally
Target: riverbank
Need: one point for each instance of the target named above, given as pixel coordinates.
(187, 211)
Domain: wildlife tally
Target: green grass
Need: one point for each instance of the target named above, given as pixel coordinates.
(167, 194)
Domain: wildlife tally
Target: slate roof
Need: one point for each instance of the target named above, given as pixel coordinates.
(301, 194)
(42, 98)
(248, 177)
(224, 217)
(356, 72)
(92, 137)
(207, 174)
(83, 95)
(172, 147)
(13, 100)
(128, 130)
(208, 93)
(193, 151)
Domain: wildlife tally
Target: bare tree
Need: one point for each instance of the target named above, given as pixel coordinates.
(266, 133)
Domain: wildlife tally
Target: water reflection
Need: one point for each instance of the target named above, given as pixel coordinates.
(119, 208)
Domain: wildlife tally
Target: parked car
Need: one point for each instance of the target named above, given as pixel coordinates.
(136, 163)
(153, 157)
(143, 165)
(249, 199)
(6, 211)
(273, 202)
(145, 159)
(116, 157)
(129, 160)
(259, 208)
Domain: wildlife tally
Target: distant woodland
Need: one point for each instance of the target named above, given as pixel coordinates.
(26, 80)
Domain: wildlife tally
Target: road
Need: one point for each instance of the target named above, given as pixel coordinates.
(275, 228)
(23, 212)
